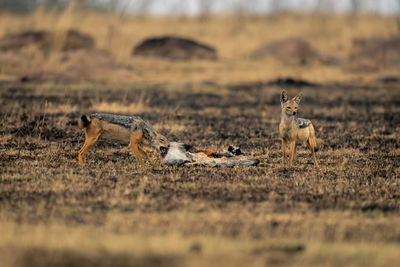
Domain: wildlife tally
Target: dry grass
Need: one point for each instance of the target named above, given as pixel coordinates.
(163, 250)
(54, 212)
(234, 39)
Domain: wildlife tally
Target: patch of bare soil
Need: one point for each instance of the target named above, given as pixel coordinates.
(172, 47)
(17, 41)
(36, 257)
(45, 40)
(288, 49)
(76, 73)
(82, 66)
(374, 53)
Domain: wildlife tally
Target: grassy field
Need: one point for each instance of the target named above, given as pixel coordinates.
(114, 212)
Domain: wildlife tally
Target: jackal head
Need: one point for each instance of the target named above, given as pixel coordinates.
(289, 107)
(160, 141)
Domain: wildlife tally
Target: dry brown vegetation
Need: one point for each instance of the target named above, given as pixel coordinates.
(235, 40)
(114, 212)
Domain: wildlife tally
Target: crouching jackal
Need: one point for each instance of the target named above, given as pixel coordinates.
(132, 130)
(295, 130)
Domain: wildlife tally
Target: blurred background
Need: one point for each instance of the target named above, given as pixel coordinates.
(207, 7)
(198, 41)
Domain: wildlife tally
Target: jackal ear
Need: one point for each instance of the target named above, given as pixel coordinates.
(297, 98)
(284, 97)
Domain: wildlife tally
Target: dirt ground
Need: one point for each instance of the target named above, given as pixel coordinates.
(114, 212)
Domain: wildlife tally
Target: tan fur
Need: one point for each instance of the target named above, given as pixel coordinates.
(293, 130)
(136, 138)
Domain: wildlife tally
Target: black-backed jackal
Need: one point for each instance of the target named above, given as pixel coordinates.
(295, 130)
(132, 130)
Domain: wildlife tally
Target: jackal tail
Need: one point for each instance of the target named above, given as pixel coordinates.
(84, 121)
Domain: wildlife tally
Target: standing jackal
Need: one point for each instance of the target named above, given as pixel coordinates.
(128, 129)
(295, 130)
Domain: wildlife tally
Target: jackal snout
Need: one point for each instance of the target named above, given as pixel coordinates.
(160, 142)
(164, 151)
(289, 107)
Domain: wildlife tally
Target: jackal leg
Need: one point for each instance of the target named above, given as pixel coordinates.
(283, 151)
(197, 162)
(136, 139)
(89, 141)
(146, 155)
(311, 145)
(292, 151)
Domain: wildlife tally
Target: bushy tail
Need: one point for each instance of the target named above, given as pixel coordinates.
(84, 121)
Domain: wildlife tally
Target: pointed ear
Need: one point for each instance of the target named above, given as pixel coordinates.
(284, 97)
(297, 98)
